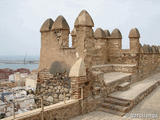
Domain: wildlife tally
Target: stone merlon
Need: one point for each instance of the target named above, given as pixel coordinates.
(134, 33)
(60, 23)
(78, 69)
(99, 33)
(116, 34)
(84, 19)
(47, 25)
(107, 33)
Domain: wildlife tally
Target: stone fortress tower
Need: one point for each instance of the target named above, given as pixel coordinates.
(96, 48)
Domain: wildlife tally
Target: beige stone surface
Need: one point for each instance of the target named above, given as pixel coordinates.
(137, 88)
(99, 33)
(150, 105)
(47, 25)
(126, 68)
(78, 69)
(114, 76)
(98, 115)
(84, 19)
(116, 34)
(54, 45)
(107, 33)
(60, 23)
(134, 33)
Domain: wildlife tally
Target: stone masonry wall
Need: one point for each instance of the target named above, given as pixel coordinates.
(53, 88)
(54, 44)
(97, 48)
(148, 63)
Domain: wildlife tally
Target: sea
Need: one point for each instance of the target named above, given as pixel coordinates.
(15, 62)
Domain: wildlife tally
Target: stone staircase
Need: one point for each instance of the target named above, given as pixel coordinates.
(129, 95)
(115, 106)
(122, 93)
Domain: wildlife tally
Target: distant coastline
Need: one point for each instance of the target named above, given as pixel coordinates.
(16, 62)
(19, 62)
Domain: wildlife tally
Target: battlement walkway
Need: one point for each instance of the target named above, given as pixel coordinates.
(137, 88)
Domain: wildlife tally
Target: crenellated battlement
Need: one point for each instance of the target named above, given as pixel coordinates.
(95, 47)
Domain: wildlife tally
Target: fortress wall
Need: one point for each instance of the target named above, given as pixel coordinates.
(117, 55)
(100, 41)
(114, 47)
(96, 48)
(84, 38)
(149, 59)
(51, 52)
(54, 45)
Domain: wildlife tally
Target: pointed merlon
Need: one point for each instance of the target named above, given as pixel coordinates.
(107, 33)
(60, 23)
(116, 34)
(145, 48)
(47, 25)
(84, 19)
(134, 33)
(78, 69)
(99, 33)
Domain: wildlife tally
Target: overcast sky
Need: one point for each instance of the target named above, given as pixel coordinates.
(20, 20)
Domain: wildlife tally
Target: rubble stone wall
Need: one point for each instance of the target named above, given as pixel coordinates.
(53, 88)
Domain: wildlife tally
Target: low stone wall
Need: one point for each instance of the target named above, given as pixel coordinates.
(112, 87)
(97, 83)
(127, 68)
(61, 111)
(99, 88)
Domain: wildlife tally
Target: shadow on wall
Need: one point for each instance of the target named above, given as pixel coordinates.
(58, 67)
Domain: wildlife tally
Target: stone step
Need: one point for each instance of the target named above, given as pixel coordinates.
(112, 111)
(124, 86)
(121, 99)
(117, 101)
(115, 107)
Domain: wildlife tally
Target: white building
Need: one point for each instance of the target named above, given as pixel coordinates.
(11, 78)
(31, 82)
